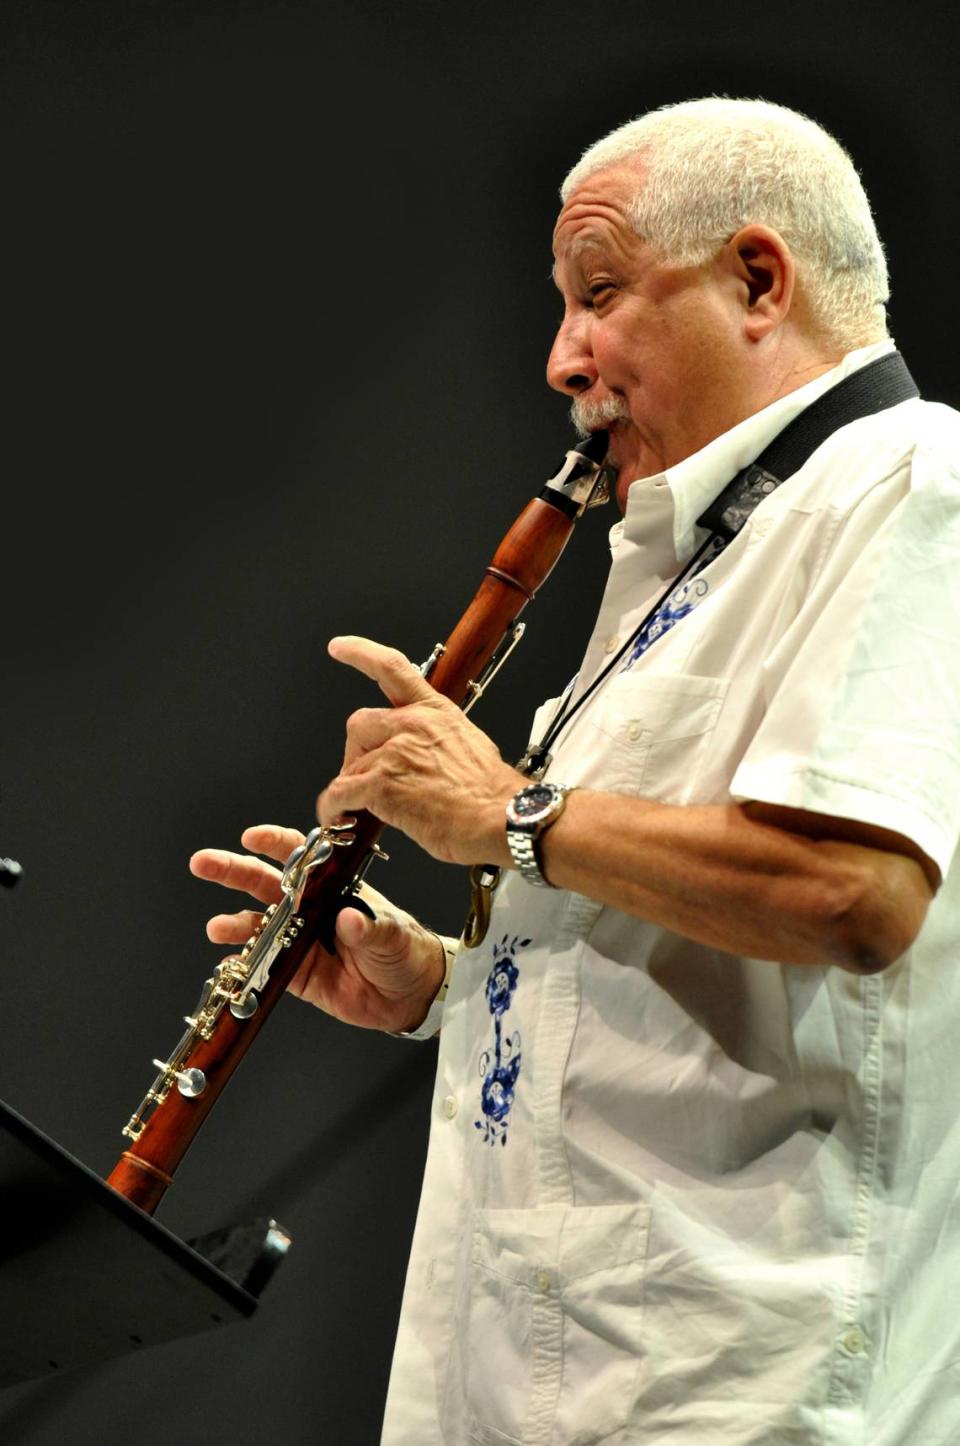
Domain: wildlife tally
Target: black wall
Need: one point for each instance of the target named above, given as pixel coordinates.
(276, 310)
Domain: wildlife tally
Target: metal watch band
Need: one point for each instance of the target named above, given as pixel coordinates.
(522, 841)
(523, 848)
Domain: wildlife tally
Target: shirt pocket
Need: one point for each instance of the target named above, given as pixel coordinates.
(553, 1343)
(744, 1307)
(655, 731)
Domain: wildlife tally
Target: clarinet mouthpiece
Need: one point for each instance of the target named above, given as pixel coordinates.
(594, 447)
(581, 480)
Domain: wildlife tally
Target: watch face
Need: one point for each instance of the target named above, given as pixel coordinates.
(533, 801)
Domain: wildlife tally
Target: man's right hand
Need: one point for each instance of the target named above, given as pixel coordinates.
(385, 972)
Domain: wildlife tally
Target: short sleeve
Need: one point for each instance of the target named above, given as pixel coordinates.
(863, 713)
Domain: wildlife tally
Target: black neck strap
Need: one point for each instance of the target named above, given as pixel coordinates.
(881, 384)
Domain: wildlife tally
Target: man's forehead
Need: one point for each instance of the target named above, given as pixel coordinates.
(597, 209)
(578, 245)
(595, 216)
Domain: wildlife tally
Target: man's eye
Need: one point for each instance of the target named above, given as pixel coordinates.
(599, 292)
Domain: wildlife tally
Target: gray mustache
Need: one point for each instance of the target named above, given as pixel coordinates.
(588, 416)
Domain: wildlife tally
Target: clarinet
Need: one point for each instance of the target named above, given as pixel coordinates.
(325, 872)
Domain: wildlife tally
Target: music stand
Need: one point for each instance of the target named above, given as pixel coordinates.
(85, 1275)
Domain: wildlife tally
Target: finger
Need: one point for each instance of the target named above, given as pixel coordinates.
(367, 729)
(233, 928)
(397, 677)
(237, 871)
(343, 796)
(270, 839)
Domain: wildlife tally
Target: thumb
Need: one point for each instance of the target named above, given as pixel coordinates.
(357, 930)
(354, 928)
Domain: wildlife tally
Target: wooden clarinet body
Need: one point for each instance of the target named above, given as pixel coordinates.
(324, 873)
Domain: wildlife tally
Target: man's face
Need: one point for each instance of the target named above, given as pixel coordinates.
(658, 344)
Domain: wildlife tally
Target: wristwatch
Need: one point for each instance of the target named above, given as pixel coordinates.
(529, 812)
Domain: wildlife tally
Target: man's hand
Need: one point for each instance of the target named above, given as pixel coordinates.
(420, 765)
(385, 972)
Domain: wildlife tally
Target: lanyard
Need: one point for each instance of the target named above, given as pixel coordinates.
(659, 620)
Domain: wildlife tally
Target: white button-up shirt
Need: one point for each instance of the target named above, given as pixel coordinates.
(673, 1195)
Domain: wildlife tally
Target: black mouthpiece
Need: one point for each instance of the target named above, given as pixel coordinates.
(595, 447)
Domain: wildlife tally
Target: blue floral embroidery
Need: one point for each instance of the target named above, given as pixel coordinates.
(500, 1066)
(681, 601)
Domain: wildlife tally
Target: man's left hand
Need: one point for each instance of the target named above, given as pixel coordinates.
(420, 765)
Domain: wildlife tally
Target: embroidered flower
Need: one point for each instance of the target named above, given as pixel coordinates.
(500, 986)
(496, 1092)
(678, 605)
(500, 1066)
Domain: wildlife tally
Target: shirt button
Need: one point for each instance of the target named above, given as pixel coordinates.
(854, 1341)
(634, 728)
(543, 1280)
(611, 644)
(449, 1107)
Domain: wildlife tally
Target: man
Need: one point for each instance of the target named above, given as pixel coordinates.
(693, 1160)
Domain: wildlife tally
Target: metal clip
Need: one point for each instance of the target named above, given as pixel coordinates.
(484, 879)
(534, 763)
(601, 491)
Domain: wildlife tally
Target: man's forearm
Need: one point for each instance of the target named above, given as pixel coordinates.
(717, 875)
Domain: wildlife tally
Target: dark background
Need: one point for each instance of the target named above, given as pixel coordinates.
(276, 310)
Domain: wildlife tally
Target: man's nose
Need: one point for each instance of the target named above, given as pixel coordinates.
(570, 365)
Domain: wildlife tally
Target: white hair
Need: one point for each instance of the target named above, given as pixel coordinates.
(714, 165)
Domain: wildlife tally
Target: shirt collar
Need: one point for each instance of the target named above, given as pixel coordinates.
(696, 481)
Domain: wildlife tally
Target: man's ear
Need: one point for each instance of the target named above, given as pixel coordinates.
(764, 273)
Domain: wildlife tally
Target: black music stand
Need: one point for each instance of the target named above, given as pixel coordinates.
(85, 1275)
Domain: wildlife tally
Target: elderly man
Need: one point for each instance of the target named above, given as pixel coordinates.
(693, 1159)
